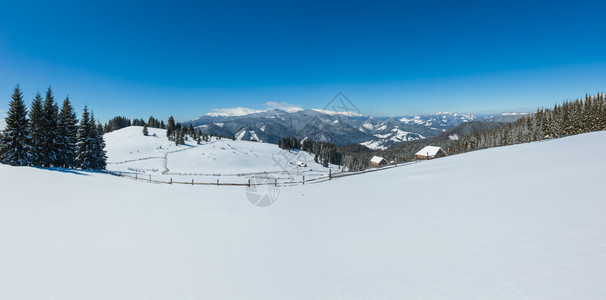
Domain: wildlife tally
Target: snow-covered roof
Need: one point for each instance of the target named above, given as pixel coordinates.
(429, 150)
(377, 159)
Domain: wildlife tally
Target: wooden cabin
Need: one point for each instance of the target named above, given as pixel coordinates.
(378, 161)
(430, 152)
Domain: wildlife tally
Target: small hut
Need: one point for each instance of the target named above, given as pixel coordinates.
(430, 152)
(378, 161)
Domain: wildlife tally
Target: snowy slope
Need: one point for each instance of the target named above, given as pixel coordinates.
(130, 151)
(523, 221)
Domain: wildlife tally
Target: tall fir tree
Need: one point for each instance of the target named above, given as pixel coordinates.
(67, 135)
(50, 131)
(145, 131)
(170, 128)
(98, 145)
(14, 146)
(36, 130)
(84, 149)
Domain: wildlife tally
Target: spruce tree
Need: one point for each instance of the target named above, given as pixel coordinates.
(98, 144)
(190, 130)
(145, 131)
(84, 151)
(50, 131)
(14, 146)
(170, 128)
(67, 135)
(36, 129)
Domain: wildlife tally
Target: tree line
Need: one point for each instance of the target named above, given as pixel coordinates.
(51, 137)
(120, 122)
(175, 131)
(570, 118)
(179, 133)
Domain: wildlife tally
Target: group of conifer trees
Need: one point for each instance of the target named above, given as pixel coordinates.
(123, 122)
(289, 143)
(324, 152)
(572, 117)
(179, 133)
(175, 131)
(50, 137)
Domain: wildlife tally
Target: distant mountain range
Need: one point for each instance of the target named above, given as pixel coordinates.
(337, 127)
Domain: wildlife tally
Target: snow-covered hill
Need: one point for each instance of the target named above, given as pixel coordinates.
(129, 150)
(524, 221)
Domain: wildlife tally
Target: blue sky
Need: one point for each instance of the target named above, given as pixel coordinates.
(185, 58)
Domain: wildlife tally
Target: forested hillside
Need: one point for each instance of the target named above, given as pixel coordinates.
(572, 117)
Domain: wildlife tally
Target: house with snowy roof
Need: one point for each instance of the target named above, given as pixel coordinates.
(430, 152)
(377, 161)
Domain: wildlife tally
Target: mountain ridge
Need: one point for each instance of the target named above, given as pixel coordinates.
(340, 128)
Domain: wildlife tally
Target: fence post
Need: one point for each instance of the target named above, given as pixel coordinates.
(149, 178)
(136, 176)
(329, 174)
(249, 182)
(192, 181)
(120, 174)
(171, 181)
(276, 182)
(217, 181)
(303, 179)
(396, 162)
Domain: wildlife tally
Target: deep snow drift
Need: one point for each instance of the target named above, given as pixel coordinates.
(523, 221)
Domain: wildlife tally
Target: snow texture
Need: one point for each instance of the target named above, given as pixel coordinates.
(515, 222)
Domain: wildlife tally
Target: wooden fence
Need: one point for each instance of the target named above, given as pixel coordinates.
(277, 181)
(264, 176)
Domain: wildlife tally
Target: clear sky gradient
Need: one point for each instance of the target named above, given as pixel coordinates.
(389, 57)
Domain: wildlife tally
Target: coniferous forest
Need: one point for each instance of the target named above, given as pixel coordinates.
(50, 137)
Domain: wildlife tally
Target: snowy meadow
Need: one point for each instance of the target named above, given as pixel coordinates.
(523, 221)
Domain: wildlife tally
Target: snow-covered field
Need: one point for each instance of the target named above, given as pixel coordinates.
(525, 221)
(128, 150)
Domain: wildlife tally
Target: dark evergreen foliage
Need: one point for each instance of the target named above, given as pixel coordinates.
(14, 145)
(122, 122)
(170, 128)
(116, 123)
(50, 127)
(67, 135)
(98, 144)
(87, 143)
(579, 116)
(50, 138)
(138, 122)
(36, 118)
